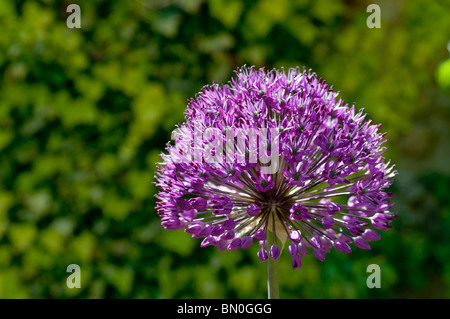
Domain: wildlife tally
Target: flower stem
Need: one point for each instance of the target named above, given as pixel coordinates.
(272, 275)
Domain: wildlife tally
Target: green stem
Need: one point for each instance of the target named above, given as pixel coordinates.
(272, 274)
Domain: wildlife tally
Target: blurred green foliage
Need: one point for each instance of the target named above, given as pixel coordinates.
(84, 114)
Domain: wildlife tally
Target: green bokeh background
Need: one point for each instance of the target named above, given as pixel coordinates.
(84, 114)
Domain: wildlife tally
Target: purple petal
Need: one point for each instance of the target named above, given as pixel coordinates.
(360, 243)
(199, 203)
(319, 254)
(327, 222)
(302, 249)
(296, 262)
(246, 242)
(205, 231)
(222, 245)
(371, 235)
(262, 254)
(293, 249)
(229, 224)
(315, 242)
(229, 234)
(296, 236)
(274, 252)
(217, 230)
(234, 243)
(193, 229)
(253, 210)
(260, 235)
(333, 208)
(184, 204)
(189, 214)
(208, 241)
(173, 223)
(342, 247)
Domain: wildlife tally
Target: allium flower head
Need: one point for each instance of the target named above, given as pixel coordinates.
(276, 154)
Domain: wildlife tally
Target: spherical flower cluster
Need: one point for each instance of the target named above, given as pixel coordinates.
(276, 154)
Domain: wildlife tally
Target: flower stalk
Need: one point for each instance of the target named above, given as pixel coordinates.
(272, 275)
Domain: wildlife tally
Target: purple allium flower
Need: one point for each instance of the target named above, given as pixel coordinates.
(318, 182)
